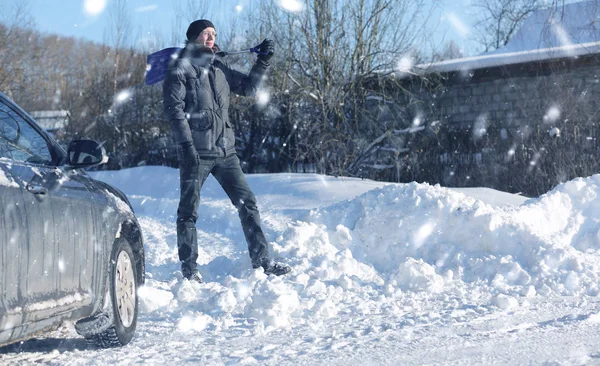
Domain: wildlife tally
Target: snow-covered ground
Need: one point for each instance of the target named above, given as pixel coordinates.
(383, 274)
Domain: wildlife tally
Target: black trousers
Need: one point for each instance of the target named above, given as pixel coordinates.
(230, 176)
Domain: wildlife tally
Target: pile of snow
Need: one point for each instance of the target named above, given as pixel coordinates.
(374, 248)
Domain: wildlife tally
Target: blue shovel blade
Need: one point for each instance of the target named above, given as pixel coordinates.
(158, 63)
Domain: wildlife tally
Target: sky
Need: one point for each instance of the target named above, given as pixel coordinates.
(383, 274)
(88, 19)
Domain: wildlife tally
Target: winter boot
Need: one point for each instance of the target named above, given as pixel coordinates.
(275, 268)
(194, 277)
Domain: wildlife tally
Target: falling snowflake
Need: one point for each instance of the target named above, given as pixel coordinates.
(61, 266)
(458, 24)
(262, 98)
(552, 115)
(417, 121)
(122, 96)
(480, 127)
(422, 234)
(405, 63)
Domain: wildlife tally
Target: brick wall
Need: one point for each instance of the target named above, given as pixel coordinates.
(501, 117)
(512, 96)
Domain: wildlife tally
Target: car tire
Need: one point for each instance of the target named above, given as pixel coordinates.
(121, 304)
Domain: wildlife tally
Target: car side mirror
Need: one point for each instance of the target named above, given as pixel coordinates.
(85, 153)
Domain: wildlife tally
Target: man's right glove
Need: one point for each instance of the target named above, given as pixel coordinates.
(188, 156)
(266, 50)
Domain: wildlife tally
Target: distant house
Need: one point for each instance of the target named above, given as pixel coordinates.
(494, 119)
(52, 121)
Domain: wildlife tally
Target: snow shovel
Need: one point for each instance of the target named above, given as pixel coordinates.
(157, 63)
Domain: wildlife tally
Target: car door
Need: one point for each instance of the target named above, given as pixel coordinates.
(26, 276)
(13, 255)
(53, 273)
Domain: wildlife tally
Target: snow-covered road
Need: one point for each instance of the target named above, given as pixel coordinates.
(394, 274)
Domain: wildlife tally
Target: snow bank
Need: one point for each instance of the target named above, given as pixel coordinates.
(414, 234)
(389, 249)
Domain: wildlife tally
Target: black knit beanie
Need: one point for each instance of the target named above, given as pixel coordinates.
(196, 28)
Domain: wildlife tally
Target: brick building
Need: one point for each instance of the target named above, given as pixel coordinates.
(532, 108)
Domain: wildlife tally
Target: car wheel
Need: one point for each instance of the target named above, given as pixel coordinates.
(121, 303)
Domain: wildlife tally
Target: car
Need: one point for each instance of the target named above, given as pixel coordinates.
(71, 248)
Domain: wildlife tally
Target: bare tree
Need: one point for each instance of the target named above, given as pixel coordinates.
(327, 49)
(449, 51)
(119, 32)
(500, 19)
(15, 53)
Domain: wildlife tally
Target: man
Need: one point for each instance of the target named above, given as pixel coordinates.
(196, 101)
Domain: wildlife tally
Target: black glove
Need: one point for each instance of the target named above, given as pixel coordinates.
(188, 156)
(266, 49)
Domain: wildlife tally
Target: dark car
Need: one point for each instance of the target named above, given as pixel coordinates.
(71, 247)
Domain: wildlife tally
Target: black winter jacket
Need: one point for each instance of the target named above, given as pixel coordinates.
(196, 98)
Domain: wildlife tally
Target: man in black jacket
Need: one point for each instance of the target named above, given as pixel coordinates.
(196, 102)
